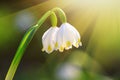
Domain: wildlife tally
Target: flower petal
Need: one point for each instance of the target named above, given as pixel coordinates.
(49, 39)
(77, 41)
(67, 36)
(59, 40)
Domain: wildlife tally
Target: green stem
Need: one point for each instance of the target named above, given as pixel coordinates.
(23, 45)
(61, 13)
(28, 36)
(53, 19)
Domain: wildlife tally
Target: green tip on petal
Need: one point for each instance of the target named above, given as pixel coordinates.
(68, 43)
(61, 49)
(56, 44)
(42, 49)
(49, 48)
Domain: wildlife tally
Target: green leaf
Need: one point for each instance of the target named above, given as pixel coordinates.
(24, 43)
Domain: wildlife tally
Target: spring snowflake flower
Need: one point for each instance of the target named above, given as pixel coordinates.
(66, 37)
(49, 39)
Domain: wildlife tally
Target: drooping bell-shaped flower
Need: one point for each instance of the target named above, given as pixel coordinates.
(49, 39)
(66, 37)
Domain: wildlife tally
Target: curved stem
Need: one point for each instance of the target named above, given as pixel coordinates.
(53, 19)
(23, 45)
(61, 13)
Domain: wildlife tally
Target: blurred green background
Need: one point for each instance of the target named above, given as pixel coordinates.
(98, 22)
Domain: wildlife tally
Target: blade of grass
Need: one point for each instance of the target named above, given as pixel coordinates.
(24, 43)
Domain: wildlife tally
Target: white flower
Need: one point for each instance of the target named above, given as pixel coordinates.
(60, 38)
(49, 39)
(66, 37)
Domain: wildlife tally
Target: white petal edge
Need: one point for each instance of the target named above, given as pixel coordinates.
(49, 39)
